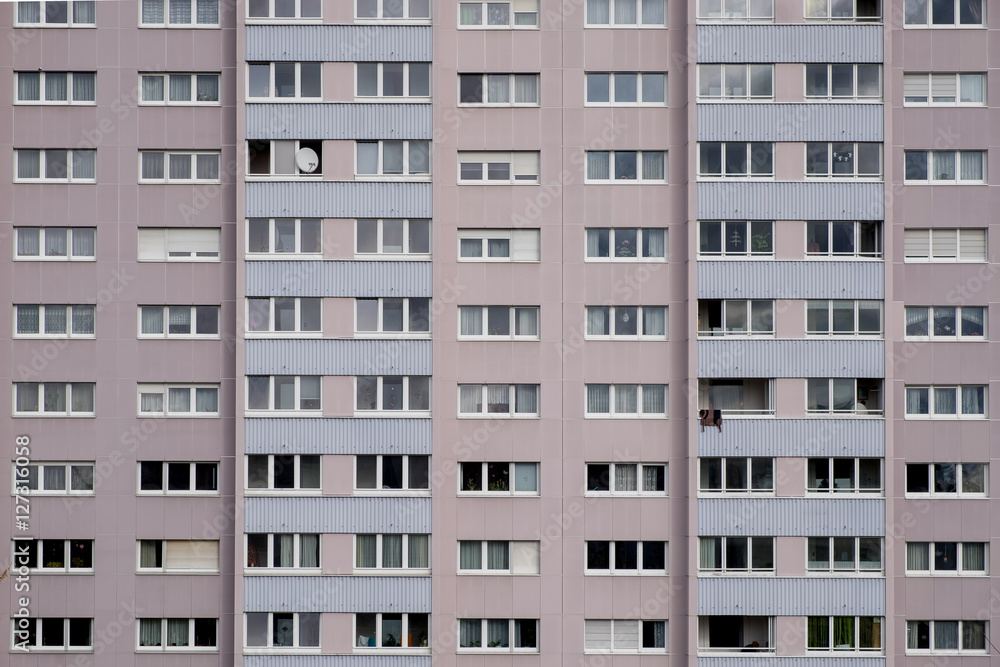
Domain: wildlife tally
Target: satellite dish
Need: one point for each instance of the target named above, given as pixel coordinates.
(306, 160)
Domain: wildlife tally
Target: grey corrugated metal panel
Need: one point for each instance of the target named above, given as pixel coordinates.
(799, 279)
(340, 121)
(790, 200)
(794, 437)
(336, 661)
(338, 199)
(790, 358)
(337, 515)
(789, 122)
(765, 660)
(811, 517)
(339, 357)
(337, 594)
(338, 279)
(336, 436)
(797, 43)
(791, 596)
(339, 43)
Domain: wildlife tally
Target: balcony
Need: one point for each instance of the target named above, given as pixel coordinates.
(737, 397)
(735, 634)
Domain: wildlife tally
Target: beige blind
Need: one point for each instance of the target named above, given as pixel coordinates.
(944, 243)
(972, 245)
(917, 243)
(191, 555)
(525, 245)
(524, 557)
(152, 244)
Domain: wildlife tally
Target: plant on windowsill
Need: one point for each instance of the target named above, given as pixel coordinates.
(471, 486)
(76, 561)
(499, 485)
(495, 643)
(54, 563)
(761, 243)
(390, 640)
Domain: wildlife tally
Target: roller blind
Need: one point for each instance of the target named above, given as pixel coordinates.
(915, 87)
(524, 557)
(191, 555)
(972, 245)
(525, 245)
(597, 635)
(917, 243)
(193, 242)
(944, 243)
(944, 87)
(525, 166)
(152, 244)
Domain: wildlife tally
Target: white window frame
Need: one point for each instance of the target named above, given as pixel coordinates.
(380, 253)
(512, 322)
(931, 634)
(912, 78)
(725, 94)
(511, 89)
(856, 234)
(855, 632)
(959, 324)
(70, 90)
(748, 234)
(68, 388)
(192, 155)
(404, 411)
(751, 13)
(408, 156)
(380, 16)
(17, 644)
(512, 549)
(297, 19)
(590, 648)
(723, 547)
(194, 25)
(928, 22)
(300, 401)
(272, 174)
(164, 391)
(193, 87)
(931, 414)
(512, 488)
(612, 320)
(832, 411)
(831, 158)
(164, 547)
(854, 97)
(747, 148)
(640, 169)
(380, 95)
(271, 332)
(511, 413)
(21, 558)
(640, 242)
(163, 648)
(639, 14)
(70, 255)
(272, 95)
(639, 92)
(70, 156)
(69, 319)
(21, 481)
(855, 480)
(937, 235)
(832, 563)
(379, 489)
(639, 414)
(70, 15)
(379, 570)
(855, 332)
(484, 634)
(639, 480)
(297, 569)
(959, 472)
(825, 14)
(296, 489)
(192, 320)
(192, 489)
(379, 331)
(723, 474)
(731, 331)
(523, 167)
(932, 156)
(405, 624)
(639, 570)
(960, 569)
(269, 647)
(514, 237)
(272, 239)
(163, 238)
(527, 9)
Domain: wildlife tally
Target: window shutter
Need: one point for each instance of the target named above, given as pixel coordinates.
(525, 557)
(196, 242)
(915, 87)
(972, 245)
(525, 166)
(525, 5)
(944, 87)
(917, 243)
(152, 244)
(470, 156)
(597, 635)
(525, 245)
(191, 555)
(944, 243)
(626, 635)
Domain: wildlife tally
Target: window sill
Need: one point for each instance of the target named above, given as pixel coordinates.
(624, 573)
(498, 27)
(52, 649)
(177, 181)
(623, 416)
(943, 182)
(402, 650)
(56, 181)
(290, 178)
(264, 335)
(738, 335)
(617, 26)
(954, 418)
(393, 493)
(768, 178)
(393, 414)
(945, 26)
(842, 100)
(497, 494)
(946, 339)
(942, 260)
(496, 183)
(623, 181)
(394, 99)
(496, 415)
(392, 178)
(29, 258)
(174, 494)
(281, 571)
(844, 258)
(56, 26)
(495, 573)
(947, 496)
(174, 573)
(247, 412)
(168, 26)
(708, 493)
(735, 100)
(265, 493)
(499, 105)
(284, 20)
(498, 339)
(58, 494)
(625, 260)
(810, 178)
(49, 571)
(493, 651)
(618, 651)
(625, 494)
(187, 337)
(53, 103)
(391, 21)
(735, 574)
(160, 105)
(845, 574)
(391, 572)
(625, 105)
(55, 337)
(392, 335)
(160, 415)
(391, 257)
(944, 573)
(281, 650)
(738, 258)
(176, 649)
(278, 256)
(49, 415)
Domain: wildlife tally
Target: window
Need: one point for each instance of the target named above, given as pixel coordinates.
(178, 634)
(498, 89)
(962, 402)
(179, 89)
(947, 558)
(735, 82)
(735, 554)
(54, 399)
(393, 158)
(54, 556)
(284, 157)
(944, 245)
(392, 552)
(735, 160)
(285, 80)
(844, 633)
(391, 630)
(56, 14)
(387, 10)
(948, 479)
(56, 87)
(627, 13)
(624, 636)
(844, 554)
(411, 315)
(844, 160)
(844, 238)
(54, 321)
(843, 318)
(284, 472)
(285, 315)
(945, 167)
(946, 637)
(178, 167)
(178, 321)
(498, 15)
(944, 13)
(844, 10)
(946, 323)
(736, 238)
(179, 244)
(496, 634)
(180, 477)
(627, 479)
(627, 400)
(179, 13)
(626, 88)
(951, 89)
(393, 237)
(285, 10)
(843, 475)
(736, 475)
(499, 478)
(56, 164)
(55, 243)
(498, 168)
(735, 317)
(499, 245)
(625, 245)
(284, 236)
(736, 10)
(53, 634)
(277, 550)
(391, 472)
(617, 166)
(498, 557)
(517, 322)
(54, 479)
(393, 393)
(284, 392)
(626, 557)
(626, 322)
(498, 400)
(838, 82)
(163, 400)
(843, 396)
(393, 80)
(282, 630)
(183, 556)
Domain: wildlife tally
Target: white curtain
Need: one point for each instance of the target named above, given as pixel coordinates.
(180, 88)
(149, 632)
(497, 555)
(526, 88)
(946, 635)
(654, 399)
(206, 400)
(594, 238)
(84, 163)
(177, 632)
(284, 549)
(84, 87)
(152, 91)
(180, 11)
(208, 88)
(29, 12)
(84, 11)
(916, 401)
(498, 633)
(498, 247)
(653, 12)
(470, 632)
(208, 12)
(498, 88)
(365, 551)
(55, 86)
(525, 477)
(29, 163)
(150, 402)
(470, 399)
(625, 12)
(655, 240)
(598, 166)
(152, 11)
(54, 478)
(945, 401)
(652, 165)
(598, 399)
(917, 556)
(28, 319)
(83, 319)
(309, 550)
(28, 85)
(526, 399)
(55, 242)
(152, 320)
(659, 633)
(308, 629)
(55, 319)
(392, 551)
(526, 321)
(651, 478)
(707, 552)
(471, 318)
(973, 556)
(207, 167)
(654, 321)
(597, 12)
(152, 166)
(626, 399)
(971, 165)
(28, 242)
(470, 555)
(148, 550)
(471, 13)
(597, 320)
(418, 552)
(971, 87)
(625, 477)
(973, 635)
(497, 398)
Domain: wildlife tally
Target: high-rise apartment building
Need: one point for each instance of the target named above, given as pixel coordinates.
(373, 332)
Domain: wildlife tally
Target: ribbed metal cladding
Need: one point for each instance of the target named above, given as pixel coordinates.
(339, 121)
(789, 122)
(791, 596)
(811, 517)
(338, 279)
(337, 515)
(337, 594)
(765, 660)
(799, 279)
(338, 357)
(790, 200)
(339, 43)
(797, 43)
(336, 661)
(337, 436)
(794, 438)
(337, 199)
(791, 358)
